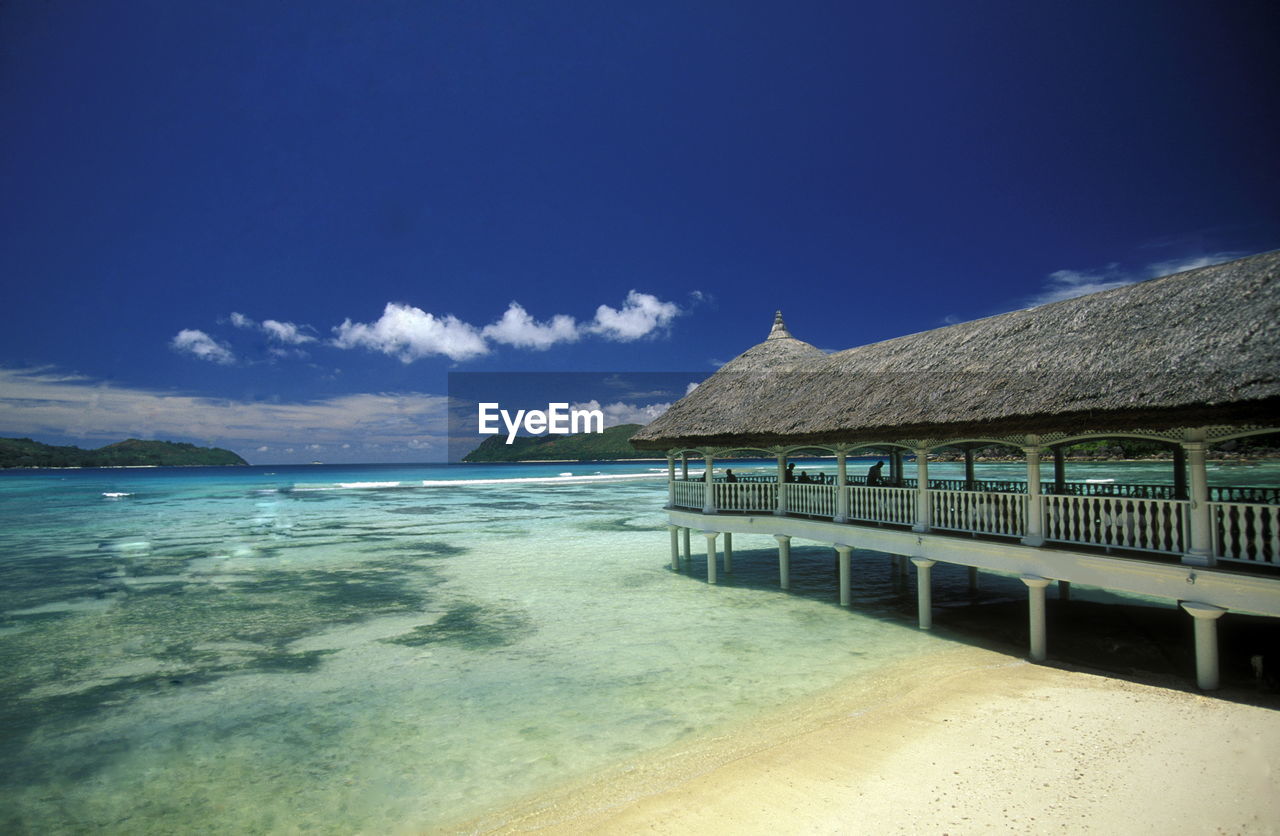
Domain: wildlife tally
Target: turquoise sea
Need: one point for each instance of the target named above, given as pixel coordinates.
(381, 649)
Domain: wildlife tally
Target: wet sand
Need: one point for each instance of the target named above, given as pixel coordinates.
(964, 741)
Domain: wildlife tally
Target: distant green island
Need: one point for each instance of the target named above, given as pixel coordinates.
(613, 443)
(23, 452)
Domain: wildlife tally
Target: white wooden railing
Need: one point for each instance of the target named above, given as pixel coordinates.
(882, 505)
(1241, 532)
(980, 513)
(746, 496)
(1157, 525)
(1246, 532)
(689, 494)
(814, 500)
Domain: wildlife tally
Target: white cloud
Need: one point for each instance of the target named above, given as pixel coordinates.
(692, 385)
(625, 413)
(1067, 284)
(1168, 268)
(285, 332)
(44, 403)
(519, 329)
(410, 333)
(282, 332)
(200, 344)
(641, 314)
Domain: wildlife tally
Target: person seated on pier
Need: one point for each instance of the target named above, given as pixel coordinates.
(791, 474)
(804, 477)
(729, 477)
(873, 475)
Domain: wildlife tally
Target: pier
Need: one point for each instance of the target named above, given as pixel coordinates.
(1178, 360)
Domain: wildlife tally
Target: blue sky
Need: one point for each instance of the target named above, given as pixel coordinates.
(276, 227)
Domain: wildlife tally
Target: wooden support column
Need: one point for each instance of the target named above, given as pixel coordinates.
(969, 482)
(895, 467)
(709, 491)
(728, 552)
(842, 479)
(688, 552)
(1064, 590)
(1200, 520)
(1059, 470)
(675, 547)
(1179, 472)
(922, 491)
(782, 485)
(1035, 588)
(784, 560)
(924, 590)
(1206, 624)
(1035, 503)
(671, 481)
(973, 580)
(711, 555)
(846, 580)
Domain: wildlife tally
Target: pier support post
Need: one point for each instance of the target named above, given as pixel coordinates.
(711, 554)
(728, 552)
(842, 479)
(784, 560)
(922, 491)
(1064, 590)
(846, 581)
(1200, 547)
(671, 481)
(1206, 625)
(675, 547)
(688, 551)
(781, 510)
(1035, 588)
(709, 495)
(1034, 535)
(973, 580)
(924, 590)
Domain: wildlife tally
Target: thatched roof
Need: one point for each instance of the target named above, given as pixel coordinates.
(1194, 349)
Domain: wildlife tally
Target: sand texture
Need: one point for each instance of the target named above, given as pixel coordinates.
(968, 741)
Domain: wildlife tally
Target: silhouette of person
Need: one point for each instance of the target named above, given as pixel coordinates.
(873, 475)
(729, 477)
(791, 475)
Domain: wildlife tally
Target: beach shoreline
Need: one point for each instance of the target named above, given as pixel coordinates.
(961, 740)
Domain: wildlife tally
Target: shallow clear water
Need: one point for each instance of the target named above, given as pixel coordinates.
(264, 650)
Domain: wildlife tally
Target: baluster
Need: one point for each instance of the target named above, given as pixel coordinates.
(1272, 515)
(1257, 516)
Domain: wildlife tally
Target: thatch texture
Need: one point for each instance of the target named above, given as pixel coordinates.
(1194, 349)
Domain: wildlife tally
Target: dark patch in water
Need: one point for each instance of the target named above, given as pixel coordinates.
(508, 505)
(440, 550)
(636, 581)
(469, 625)
(415, 510)
(20, 716)
(620, 524)
(587, 506)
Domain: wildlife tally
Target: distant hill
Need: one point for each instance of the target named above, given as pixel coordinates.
(23, 452)
(613, 443)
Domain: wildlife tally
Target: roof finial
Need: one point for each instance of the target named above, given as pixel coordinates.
(779, 330)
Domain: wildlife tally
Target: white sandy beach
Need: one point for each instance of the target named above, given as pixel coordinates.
(976, 742)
